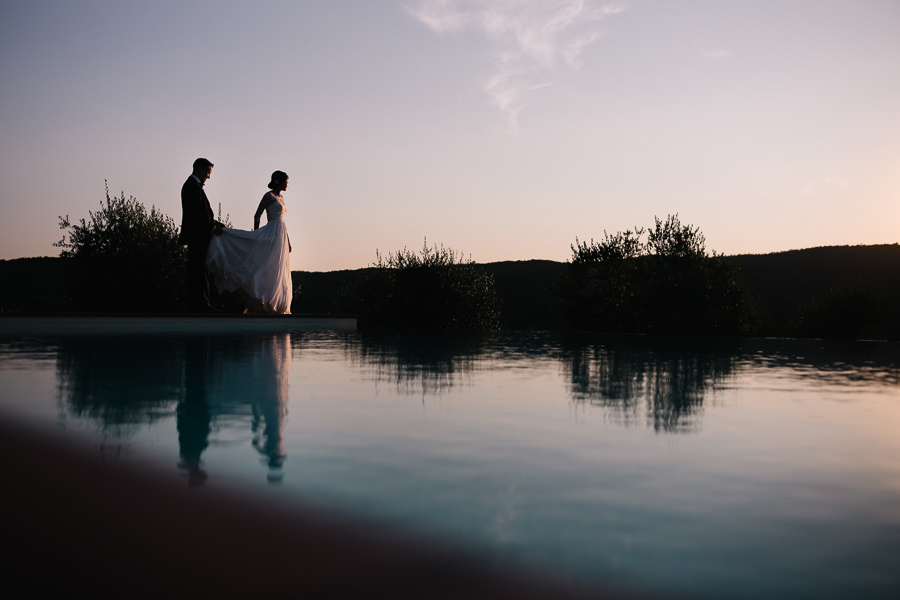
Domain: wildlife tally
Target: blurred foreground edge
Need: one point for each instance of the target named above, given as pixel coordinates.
(108, 528)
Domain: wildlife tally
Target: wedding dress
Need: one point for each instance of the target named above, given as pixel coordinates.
(257, 262)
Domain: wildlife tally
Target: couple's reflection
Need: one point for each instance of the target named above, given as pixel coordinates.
(193, 416)
(221, 382)
(222, 388)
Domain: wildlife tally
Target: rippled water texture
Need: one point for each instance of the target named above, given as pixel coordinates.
(750, 468)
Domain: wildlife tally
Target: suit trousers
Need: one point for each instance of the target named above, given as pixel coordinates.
(197, 284)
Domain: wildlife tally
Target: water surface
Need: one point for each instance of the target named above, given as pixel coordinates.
(703, 468)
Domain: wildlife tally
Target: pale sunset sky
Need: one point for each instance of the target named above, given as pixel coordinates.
(503, 129)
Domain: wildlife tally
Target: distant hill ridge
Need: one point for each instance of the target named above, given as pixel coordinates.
(781, 282)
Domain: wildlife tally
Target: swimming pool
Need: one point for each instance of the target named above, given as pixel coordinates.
(683, 467)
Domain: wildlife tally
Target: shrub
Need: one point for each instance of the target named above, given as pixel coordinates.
(669, 284)
(842, 312)
(124, 259)
(434, 289)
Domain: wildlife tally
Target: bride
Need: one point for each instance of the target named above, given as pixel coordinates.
(257, 263)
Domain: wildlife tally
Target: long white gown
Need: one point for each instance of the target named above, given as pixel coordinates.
(257, 262)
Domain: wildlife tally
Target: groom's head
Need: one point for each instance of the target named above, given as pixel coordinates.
(202, 169)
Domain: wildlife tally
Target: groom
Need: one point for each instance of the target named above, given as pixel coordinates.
(197, 228)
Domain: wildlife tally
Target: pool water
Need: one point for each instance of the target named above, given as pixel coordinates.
(683, 467)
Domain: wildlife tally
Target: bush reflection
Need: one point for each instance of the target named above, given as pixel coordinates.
(625, 376)
(832, 362)
(426, 364)
(663, 385)
(120, 382)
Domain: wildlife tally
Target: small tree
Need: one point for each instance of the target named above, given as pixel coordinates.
(124, 259)
(433, 289)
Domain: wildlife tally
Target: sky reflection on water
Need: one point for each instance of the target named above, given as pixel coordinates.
(753, 467)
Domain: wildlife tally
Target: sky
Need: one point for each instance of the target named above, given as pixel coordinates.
(502, 129)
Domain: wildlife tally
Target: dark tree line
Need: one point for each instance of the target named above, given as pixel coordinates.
(124, 258)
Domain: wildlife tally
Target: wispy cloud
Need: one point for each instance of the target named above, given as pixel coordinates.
(716, 54)
(527, 37)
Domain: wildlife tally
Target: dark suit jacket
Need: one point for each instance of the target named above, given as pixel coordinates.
(197, 221)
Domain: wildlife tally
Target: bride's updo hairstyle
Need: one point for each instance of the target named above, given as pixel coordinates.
(277, 177)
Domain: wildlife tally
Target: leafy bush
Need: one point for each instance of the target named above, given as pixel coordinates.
(124, 259)
(434, 289)
(672, 240)
(668, 284)
(597, 288)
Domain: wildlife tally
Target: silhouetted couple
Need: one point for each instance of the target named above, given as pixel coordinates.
(256, 264)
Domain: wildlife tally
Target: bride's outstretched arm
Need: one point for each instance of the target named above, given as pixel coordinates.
(259, 211)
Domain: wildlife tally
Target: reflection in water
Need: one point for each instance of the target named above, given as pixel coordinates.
(426, 364)
(831, 362)
(214, 383)
(793, 492)
(625, 375)
(193, 416)
(662, 385)
(257, 376)
(222, 386)
(120, 382)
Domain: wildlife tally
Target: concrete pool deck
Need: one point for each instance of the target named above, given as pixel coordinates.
(215, 323)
